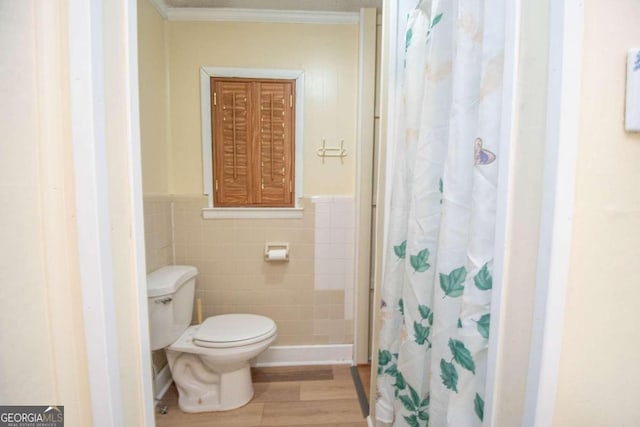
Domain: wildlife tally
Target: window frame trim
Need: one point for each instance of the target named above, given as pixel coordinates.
(207, 131)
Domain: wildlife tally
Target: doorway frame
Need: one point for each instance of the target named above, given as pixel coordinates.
(173, 14)
(88, 83)
(566, 29)
(364, 183)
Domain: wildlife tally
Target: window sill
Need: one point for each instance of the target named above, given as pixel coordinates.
(252, 213)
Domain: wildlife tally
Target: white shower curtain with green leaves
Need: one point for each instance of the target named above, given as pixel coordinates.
(436, 290)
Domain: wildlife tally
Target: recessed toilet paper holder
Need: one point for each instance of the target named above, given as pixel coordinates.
(274, 252)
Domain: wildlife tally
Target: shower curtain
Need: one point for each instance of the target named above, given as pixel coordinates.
(437, 280)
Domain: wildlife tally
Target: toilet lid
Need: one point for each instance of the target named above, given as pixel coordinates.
(229, 329)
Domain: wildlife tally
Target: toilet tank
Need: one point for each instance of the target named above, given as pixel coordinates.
(170, 292)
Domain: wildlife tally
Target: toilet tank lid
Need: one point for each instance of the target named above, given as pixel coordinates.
(166, 280)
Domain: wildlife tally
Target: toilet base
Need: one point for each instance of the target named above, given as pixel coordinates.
(202, 389)
(212, 379)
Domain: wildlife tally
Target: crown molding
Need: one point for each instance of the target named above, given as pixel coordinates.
(161, 7)
(258, 15)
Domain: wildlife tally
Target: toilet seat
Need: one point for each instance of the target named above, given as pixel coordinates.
(216, 377)
(233, 330)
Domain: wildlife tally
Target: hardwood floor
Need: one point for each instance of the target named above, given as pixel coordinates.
(288, 396)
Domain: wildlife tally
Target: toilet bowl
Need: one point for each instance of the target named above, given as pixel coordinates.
(209, 362)
(214, 374)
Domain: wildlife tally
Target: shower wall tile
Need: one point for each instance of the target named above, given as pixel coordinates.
(158, 237)
(334, 247)
(234, 278)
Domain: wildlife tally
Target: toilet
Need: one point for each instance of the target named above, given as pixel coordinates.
(209, 362)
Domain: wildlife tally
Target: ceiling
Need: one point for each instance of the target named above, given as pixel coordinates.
(310, 5)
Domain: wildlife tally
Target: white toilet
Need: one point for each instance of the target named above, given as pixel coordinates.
(209, 362)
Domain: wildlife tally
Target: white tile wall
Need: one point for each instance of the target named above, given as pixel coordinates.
(334, 246)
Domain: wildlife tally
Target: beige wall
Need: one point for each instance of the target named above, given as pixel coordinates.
(599, 370)
(43, 359)
(154, 100)
(158, 231)
(24, 293)
(328, 54)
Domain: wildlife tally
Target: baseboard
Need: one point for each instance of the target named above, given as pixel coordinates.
(290, 355)
(293, 355)
(161, 382)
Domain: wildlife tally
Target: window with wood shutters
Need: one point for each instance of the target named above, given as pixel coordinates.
(253, 146)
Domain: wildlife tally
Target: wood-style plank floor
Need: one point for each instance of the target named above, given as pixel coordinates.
(287, 396)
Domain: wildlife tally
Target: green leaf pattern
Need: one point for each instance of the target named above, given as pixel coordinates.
(401, 250)
(478, 406)
(420, 330)
(434, 22)
(416, 406)
(483, 325)
(407, 402)
(401, 383)
(449, 375)
(412, 421)
(408, 38)
(426, 313)
(452, 284)
(462, 355)
(421, 333)
(384, 357)
(483, 279)
(419, 262)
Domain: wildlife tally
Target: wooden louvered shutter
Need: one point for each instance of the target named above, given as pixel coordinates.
(275, 142)
(232, 150)
(253, 142)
